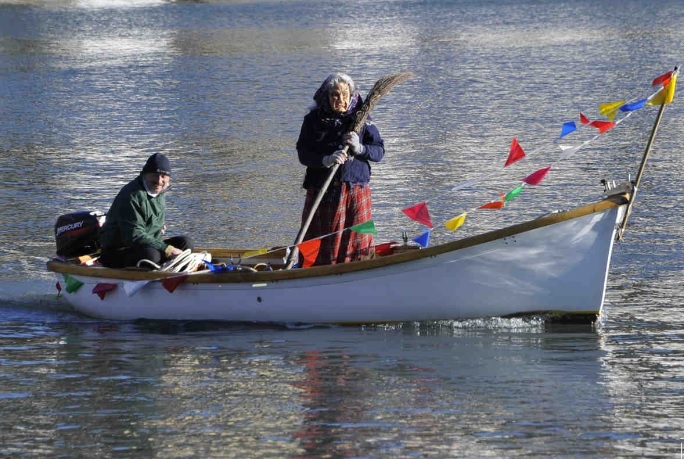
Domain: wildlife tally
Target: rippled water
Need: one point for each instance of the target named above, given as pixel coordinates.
(90, 88)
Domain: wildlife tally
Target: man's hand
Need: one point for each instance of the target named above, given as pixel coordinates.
(172, 252)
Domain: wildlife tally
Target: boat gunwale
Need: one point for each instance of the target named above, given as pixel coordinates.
(246, 276)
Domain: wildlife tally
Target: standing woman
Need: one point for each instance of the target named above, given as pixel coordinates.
(347, 202)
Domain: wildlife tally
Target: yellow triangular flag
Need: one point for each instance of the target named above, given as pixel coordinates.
(609, 110)
(456, 222)
(666, 95)
(253, 253)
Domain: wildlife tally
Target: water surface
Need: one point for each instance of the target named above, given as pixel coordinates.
(89, 89)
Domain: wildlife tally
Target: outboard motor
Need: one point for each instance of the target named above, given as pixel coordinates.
(77, 233)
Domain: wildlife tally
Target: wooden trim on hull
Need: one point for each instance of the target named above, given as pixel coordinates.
(319, 271)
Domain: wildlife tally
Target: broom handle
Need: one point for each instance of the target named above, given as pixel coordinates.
(305, 226)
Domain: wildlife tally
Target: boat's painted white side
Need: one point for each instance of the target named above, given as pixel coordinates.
(561, 267)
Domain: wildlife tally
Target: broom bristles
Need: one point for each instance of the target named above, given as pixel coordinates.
(381, 87)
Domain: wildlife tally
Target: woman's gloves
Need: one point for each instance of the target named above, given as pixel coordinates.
(355, 145)
(339, 157)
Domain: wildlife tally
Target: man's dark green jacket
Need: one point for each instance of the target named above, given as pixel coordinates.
(135, 219)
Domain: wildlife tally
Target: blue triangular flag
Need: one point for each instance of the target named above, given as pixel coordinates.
(423, 239)
(567, 128)
(217, 268)
(633, 106)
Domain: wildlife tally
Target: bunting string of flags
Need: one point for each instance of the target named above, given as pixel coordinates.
(664, 94)
(614, 112)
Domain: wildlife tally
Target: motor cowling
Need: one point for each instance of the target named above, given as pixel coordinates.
(77, 233)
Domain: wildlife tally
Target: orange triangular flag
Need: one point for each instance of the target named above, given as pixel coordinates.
(309, 250)
(664, 79)
(602, 126)
(515, 154)
(419, 213)
(171, 283)
(665, 95)
(494, 204)
(535, 178)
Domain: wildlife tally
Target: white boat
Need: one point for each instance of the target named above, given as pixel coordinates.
(556, 265)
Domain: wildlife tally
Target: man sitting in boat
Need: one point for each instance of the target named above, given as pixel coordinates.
(135, 224)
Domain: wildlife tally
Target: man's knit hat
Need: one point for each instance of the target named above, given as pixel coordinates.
(157, 164)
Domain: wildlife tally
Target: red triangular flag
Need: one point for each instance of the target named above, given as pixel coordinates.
(419, 213)
(515, 154)
(384, 249)
(309, 250)
(664, 79)
(102, 288)
(602, 126)
(171, 283)
(535, 178)
(584, 119)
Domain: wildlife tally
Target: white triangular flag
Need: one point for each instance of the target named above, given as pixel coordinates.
(462, 185)
(132, 287)
(568, 150)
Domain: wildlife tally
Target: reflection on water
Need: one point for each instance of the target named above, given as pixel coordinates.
(285, 392)
(88, 89)
(440, 389)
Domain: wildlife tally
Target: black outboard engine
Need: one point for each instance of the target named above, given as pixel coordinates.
(77, 233)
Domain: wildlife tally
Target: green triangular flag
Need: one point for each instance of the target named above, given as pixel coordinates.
(72, 284)
(511, 195)
(365, 228)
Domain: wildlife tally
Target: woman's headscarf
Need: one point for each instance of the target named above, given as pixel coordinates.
(321, 96)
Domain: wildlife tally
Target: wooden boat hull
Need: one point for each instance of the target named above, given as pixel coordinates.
(556, 264)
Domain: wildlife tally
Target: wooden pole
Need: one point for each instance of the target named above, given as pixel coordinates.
(642, 166)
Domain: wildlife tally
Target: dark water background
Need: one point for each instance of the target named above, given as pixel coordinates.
(89, 89)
